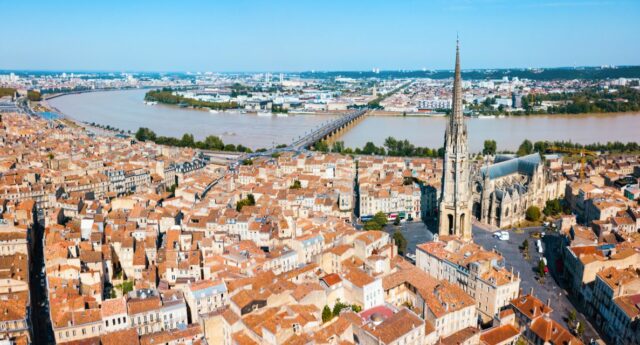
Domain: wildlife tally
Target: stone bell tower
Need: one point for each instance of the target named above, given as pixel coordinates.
(455, 198)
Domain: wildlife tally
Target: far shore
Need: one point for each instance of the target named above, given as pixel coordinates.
(401, 114)
(373, 112)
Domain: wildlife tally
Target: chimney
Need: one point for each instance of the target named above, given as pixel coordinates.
(520, 292)
(549, 302)
(531, 291)
(620, 289)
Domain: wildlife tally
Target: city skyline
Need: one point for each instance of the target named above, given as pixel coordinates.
(284, 36)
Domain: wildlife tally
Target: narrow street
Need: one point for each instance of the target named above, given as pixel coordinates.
(42, 331)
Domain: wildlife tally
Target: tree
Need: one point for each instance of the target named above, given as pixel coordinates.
(378, 222)
(552, 207)
(580, 329)
(337, 308)
(296, 185)
(541, 267)
(490, 147)
(525, 245)
(356, 308)
(369, 148)
(187, 140)
(337, 146)
(248, 201)
(532, 214)
(144, 134)
(525, 148)
(571, 316)
(326, 314)
(321, 146)
(126, 287)
(400, 242)
(380, 218)
(372, 225)
(540, 146)
(213, 142)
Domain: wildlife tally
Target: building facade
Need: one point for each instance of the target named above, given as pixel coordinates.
(503, 191)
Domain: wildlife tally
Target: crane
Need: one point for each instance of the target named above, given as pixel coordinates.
(579, 151)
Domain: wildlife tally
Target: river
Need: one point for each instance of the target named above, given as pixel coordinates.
(508, 132)
(126, 110)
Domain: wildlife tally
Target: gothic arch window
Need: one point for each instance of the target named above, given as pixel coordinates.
(506, 212)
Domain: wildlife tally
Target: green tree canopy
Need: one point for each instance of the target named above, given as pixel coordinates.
(248, 201)
(490, 147)
(326, 314)
(144, 134)
(321, 146)
(213, 142)
(400, 242)
(552, 207)
(525, 148)
(532, 214)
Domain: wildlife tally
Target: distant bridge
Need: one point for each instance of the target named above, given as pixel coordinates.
(328, 131)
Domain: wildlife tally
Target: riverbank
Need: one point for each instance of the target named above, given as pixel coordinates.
(49, 96)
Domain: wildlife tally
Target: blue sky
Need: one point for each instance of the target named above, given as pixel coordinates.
(244, 35)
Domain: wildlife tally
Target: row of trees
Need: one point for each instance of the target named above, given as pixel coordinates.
(167, 96)
(108, 127)
(551, 208)
(211, 142)
(527, 147)
(391, 147)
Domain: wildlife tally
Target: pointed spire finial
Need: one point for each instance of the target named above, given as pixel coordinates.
(457, 87)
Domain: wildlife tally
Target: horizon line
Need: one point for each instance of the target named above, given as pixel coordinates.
(402, 70)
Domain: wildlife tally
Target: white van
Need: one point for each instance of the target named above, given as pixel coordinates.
(539, 245)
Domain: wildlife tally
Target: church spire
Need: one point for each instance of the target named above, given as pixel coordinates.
(455, 199)
(456, 111)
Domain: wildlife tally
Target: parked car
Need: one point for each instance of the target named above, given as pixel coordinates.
(539, 245)
(502, 235)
